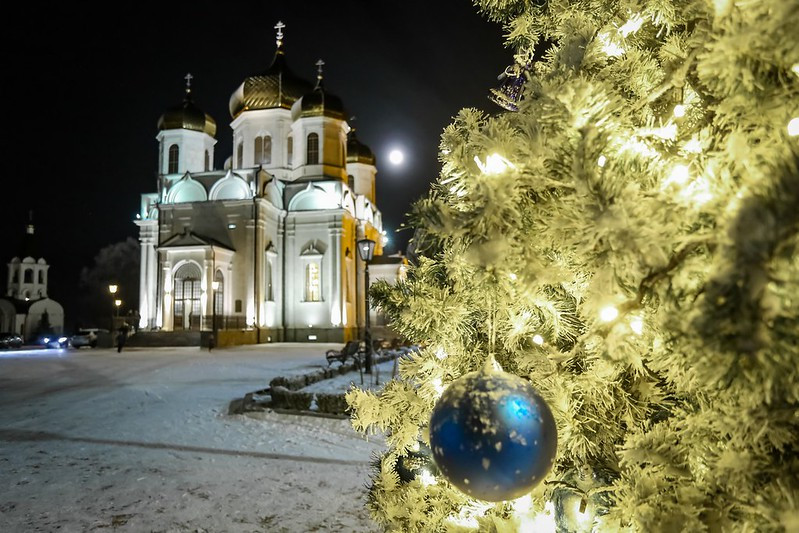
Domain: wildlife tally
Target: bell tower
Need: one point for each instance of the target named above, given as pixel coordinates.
(27, 271)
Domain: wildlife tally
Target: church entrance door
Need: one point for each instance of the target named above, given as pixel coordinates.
(187, 309)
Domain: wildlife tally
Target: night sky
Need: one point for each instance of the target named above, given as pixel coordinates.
(83, 96)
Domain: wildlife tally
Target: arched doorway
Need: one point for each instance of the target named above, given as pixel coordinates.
(187, 310)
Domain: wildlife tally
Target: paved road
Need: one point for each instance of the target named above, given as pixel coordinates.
(141, 441)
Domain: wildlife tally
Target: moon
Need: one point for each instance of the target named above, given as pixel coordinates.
(396, 157)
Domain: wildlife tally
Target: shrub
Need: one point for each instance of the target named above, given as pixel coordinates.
(331, 403)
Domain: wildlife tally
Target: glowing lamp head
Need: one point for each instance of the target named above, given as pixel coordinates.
(117, 302)
(113, 289)
(215, 285)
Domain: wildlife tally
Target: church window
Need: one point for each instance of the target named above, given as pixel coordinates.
(313, 286)
(238, 306)
(28, 276)
(240, 155)
(263, 150)
(312, 150)
(41, 276)
(351, 182)
(174, 152)
(219, 296)
(207, 161)
(290, 151)
(270, 295)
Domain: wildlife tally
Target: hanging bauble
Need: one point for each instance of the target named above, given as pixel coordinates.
(492, 435)
(415, 463)
(509, 93)
(580, 497)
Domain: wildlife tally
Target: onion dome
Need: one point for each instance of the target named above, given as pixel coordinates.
(357, 152)
(278, 87)
(318, 103)
(187, 116)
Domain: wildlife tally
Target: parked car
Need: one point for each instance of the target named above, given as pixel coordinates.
(53, 340)
(10, 340)
(85, 337)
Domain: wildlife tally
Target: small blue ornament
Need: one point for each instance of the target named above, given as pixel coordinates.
(492, 435)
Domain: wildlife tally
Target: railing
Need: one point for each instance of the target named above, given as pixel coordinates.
(206, 323)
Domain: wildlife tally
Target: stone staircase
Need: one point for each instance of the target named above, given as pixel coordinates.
(164, 338)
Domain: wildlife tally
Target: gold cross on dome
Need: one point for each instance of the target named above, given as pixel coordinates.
(319, 65)
(279, 27)
(188, 77)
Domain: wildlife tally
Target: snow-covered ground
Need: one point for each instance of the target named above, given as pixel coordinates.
(141, 441)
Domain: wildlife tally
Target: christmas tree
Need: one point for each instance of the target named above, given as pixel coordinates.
(624, 237)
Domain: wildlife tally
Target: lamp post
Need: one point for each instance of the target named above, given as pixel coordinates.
(113, 290)
(366, 249)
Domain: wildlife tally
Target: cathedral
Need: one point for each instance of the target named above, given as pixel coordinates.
(265, 249)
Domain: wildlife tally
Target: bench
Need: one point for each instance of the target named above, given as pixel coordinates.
(349, 351)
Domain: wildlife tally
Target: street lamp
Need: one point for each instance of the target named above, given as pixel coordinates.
(113, 290)
(366, 249)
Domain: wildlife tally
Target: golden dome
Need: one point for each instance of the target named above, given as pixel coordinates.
(278, 87)
(357, 152)
(318, 103)
(187, 116)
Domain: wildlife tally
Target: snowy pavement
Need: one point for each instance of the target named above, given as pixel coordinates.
(140, 441)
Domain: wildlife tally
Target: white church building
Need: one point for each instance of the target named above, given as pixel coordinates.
(26, 308)
(265, 248)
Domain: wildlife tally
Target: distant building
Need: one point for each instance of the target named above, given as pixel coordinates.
(26, 309)
(266, 245)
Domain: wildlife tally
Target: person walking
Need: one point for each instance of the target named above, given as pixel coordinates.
(122, 337)
(211, 342)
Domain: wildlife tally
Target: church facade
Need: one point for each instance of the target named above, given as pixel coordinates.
(268, 244)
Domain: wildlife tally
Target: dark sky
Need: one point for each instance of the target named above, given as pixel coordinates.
(83, 91)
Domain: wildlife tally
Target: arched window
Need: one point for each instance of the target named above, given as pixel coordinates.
(263, 150)
(219, 297)
(207, 161)
(351, 181)
(270, 294)
(290, 151)
(312, 150)
(313, 285)
(174, 152)
(240, 155)
(28, 278)
(41, 277)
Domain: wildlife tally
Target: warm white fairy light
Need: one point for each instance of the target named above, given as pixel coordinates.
(608, 313)
(679, 111)
(494, 164)
(637, 325)
(698, 192)
(795, 68)
(692, 146)
(543, 522)
(793, 127)
(679, 175)
(601, 161)
(538, 339)
(438, 386)
(512, 276)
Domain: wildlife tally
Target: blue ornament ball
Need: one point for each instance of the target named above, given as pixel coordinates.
(492, 435)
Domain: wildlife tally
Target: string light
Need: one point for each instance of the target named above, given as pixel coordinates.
(601, 161)
(692, 146)
(441, 354)
(494, 164)
(609, 313)
(679, 175)
(538, 339)
(793, 127)
(679, 111)
(426, 478)
(609, 47)
(437, 384)
(795, 68)
(637, 325)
